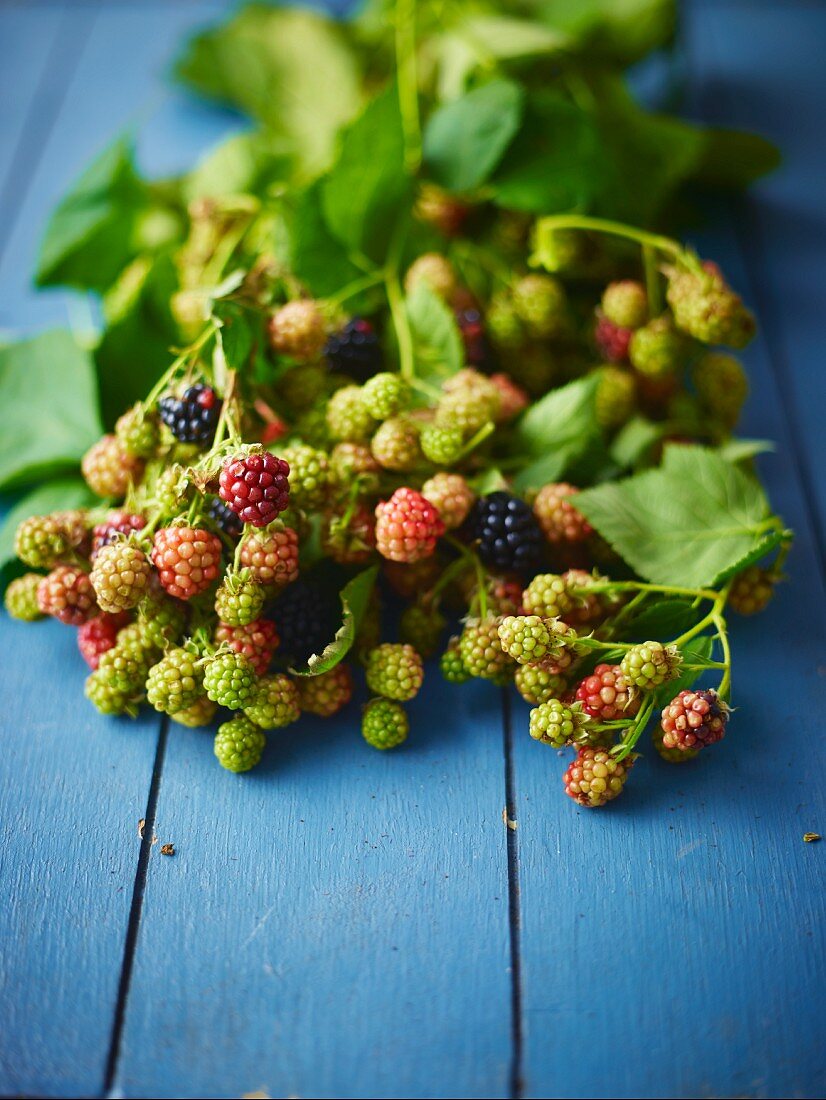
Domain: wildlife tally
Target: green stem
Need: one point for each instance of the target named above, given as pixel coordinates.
(634, 733)
(725, 684)
(176, 365)
(356, 287)
(408, 83)
(652, 281)
(395, 299)
(643, 586)
(476, 440)
(615, 229)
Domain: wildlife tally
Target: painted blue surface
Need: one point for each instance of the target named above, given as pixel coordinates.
(338, 922)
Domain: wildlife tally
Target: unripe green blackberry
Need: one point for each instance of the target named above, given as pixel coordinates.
(394, 671)
(349, 461)
(541, 304)
(301, 387)
(162, 619)
(120, 576)
(547, 595)
(751, 590)
(537, 684)
(325, 695)
(239, 599)
(707, 308)
(309, 476)
(275, 704)
(648, 665)
(422, 627)
(465, 411)
(451, 496)
(347, 417)
(171, 491)
(21, 598)
(526, 638)
(616, 397)
(395, 446)
(312, 428)
(625, 303)
(553, 723)
(451, 664)
(230, 680)
(298, 330)
(435, 271)
(722, 386)
(137, 432)
(481, 651)
(658, 350)
(442, 445)
(201, 713)
(42, 541)
(239, 745)
(384, 394)
(126, 667)
(108, 470)
(176, 682)
(108, 699)
(503, 324)
(384, 724)
(595, 776)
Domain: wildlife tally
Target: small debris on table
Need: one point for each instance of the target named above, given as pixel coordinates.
(167, 849)
(509, 821)
(810, 838)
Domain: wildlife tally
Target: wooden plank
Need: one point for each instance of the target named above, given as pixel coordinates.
(333, 924)
(676, 933)
(72, 789)
(763, 69)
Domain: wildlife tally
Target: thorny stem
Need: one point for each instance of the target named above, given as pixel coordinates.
(408, 82)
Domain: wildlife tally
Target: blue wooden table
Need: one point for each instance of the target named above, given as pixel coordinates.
(344, 923)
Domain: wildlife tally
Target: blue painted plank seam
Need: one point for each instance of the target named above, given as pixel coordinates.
(43, 112)
(135, 910)
(516, 1088)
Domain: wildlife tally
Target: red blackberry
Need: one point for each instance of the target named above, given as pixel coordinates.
(355, 350)
(558, 518)
(193, 417)
(98, 635)
(256, 641)
(256, 487)
(271, 556)
(611, 340)
(595, 777)
(607, 695)
(325, 695)
(693, 720)
(407, 527)
(187, 559)
(67, 594)
(509, 536)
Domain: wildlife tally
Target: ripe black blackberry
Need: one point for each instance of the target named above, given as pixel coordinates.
(478, 350)
(306, 618)
(509, 536)
(225, 518)
(193, 417)
(355, 350)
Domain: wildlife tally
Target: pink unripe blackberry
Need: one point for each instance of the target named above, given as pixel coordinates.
(407, 526)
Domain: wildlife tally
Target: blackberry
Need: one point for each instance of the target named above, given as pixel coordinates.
(537, 684)
(625, 304)
(193, 417)
(225, 518)
(230, 680)
(256, 486)
(176, 682)
(434, 271)
(115, 525)
(422, 628)
(239, 745)
(355, 350)
(394, 671)
(442, 445)
(306, 619)
(384, 724)
(510, 538)
(21, 598)
(553, 723)
(309, 475)
(451, 665)
(106, 698)
(595, 777)
(693, 720)
(648, 665)
(481, 651)
(751, 590)
(201, 713)
(239, 599)
(275, 703)
(395, 446)
(384, 394)
(326, 694)
(298, 330)
(348, 420)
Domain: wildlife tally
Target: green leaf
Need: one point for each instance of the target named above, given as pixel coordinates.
(437, 342)
(685, 523)
(290, 69)
(465, 140)
(59, 495)
(618, 30)
(556, 432)
(135, 347)
(734, 159)
(355, 597)
(91, 235)
(367, 188)
(663, 619)
(635, 441)
(239, 333)
(741, 450)
(49, 402)
(557, 160)
(245, 164)
(474, 41)
(316, 257)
